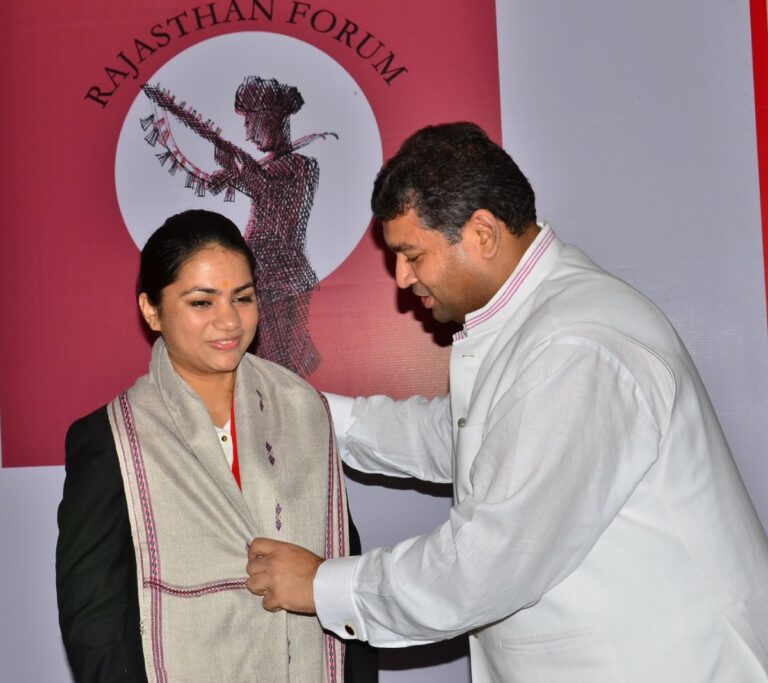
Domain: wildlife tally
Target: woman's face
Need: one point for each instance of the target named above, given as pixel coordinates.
(208, 316)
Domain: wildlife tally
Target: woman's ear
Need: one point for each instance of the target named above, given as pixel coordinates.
(149, 312)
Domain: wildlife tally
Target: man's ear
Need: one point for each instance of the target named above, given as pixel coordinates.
(149, 312)
(486, 232)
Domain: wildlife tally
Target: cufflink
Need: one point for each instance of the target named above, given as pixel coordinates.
(349, 629)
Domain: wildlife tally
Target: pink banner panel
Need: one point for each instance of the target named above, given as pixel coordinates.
(760, 66)
(93, 163)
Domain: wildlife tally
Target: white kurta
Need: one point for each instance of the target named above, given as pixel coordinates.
(600, 530)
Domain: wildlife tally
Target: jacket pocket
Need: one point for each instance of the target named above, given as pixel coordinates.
(576, 656)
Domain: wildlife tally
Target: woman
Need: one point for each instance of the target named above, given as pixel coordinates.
(167, 485)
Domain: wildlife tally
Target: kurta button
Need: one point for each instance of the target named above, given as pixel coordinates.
(462, 421)
(350, 631)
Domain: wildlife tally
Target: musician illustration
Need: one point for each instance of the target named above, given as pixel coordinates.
(281, 187)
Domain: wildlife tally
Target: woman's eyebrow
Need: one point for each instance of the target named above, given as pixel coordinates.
(212, 290)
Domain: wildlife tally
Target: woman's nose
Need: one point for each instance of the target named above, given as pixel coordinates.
(227, 317)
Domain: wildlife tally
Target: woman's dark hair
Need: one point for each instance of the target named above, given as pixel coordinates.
(445, 173)
(178, 240)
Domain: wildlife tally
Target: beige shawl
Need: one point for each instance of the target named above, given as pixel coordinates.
(191, 524)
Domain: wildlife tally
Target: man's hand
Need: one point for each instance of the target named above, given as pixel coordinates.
(283, 574)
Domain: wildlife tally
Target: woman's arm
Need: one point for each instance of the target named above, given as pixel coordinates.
(95, 563)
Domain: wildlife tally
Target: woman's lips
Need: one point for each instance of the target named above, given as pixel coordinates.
(225, 344)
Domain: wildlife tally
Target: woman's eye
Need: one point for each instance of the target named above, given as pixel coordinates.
(200, 303)
(245, 299)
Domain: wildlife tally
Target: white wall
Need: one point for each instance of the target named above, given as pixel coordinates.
(635, 123)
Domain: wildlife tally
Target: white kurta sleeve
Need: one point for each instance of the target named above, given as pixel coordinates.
(563, 450)
(410, 438)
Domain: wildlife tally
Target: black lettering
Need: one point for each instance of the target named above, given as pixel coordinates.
(142, 47)
(359, 49)
(163, 37)
(233, 8)
(177, 20)
(296, 6)
(386, 70)
(319, 12)
(96, 94)
(262, 9)
(348, 30)
(133, 67)
(211, 14)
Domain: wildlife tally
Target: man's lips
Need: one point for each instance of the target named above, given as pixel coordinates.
(427, 300)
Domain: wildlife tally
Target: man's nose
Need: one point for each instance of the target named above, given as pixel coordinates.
(404, 276)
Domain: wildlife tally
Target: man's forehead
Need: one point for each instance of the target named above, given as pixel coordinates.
(407, 231)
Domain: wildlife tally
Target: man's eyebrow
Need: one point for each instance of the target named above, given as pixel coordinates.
(403, 246)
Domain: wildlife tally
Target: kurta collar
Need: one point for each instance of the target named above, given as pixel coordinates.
(509, 296)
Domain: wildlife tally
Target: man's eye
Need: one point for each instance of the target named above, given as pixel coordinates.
(413, 259)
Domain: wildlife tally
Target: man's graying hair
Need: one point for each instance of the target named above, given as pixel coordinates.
(445, 173)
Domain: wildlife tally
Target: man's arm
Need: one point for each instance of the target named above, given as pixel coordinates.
(565, 448)
(410, 438)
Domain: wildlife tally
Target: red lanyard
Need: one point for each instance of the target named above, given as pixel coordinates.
(235, 461)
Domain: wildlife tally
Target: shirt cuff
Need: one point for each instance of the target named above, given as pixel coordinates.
(333, 595)
(341, 412)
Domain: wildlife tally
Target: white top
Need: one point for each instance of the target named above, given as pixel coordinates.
(225, 441)
(587, 485)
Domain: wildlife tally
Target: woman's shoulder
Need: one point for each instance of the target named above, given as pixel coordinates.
(96, 421)
(89, 438)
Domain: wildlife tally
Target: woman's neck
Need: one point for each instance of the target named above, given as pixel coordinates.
(215, 391)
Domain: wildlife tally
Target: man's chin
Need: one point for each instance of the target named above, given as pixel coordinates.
(441, 316)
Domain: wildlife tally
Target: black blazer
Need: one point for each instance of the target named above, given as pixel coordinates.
(96, 567)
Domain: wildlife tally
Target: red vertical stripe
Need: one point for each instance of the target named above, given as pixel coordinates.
(233, 430)
(760, 67)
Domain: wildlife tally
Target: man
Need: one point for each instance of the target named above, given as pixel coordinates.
(600, 530)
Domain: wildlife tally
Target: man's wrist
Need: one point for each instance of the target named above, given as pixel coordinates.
(333, 591)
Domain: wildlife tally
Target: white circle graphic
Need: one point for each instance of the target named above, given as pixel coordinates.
(206, 77)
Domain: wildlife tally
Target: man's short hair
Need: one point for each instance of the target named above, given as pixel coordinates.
(445, 173)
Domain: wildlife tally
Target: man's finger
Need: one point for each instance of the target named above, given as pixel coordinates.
(269, 603)
(261, 546)
(256, 565)
(258, 583)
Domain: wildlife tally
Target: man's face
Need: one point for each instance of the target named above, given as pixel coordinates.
(443, 275)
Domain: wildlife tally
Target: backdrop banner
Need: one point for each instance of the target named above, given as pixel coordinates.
(116, 120)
